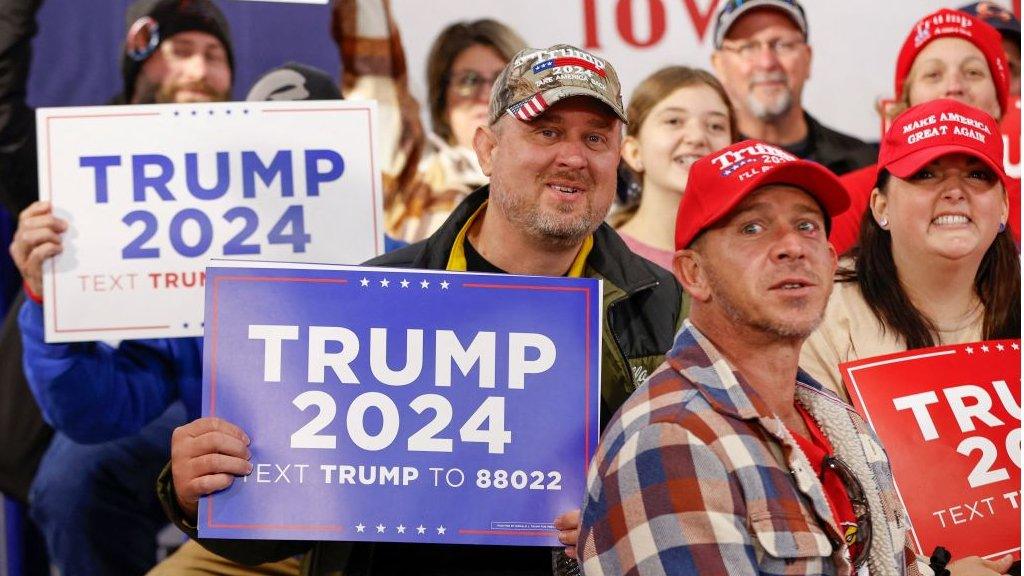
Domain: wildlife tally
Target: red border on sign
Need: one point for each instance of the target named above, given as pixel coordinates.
(373, 152)
(213, 393)
(586, 388)
(49, 197)
(337, 528)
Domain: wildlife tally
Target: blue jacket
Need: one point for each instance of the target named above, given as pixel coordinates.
(95, 392)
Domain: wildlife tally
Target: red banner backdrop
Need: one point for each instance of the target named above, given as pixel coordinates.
(949, 418)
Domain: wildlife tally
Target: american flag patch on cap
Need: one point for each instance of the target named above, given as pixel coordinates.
(529, 108)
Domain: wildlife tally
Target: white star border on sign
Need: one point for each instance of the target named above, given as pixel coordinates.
(986, 347)
(421, 530)
(385, 282)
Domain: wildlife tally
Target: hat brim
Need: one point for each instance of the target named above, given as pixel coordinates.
(811, 177)
(562, 92)
(789, 10)
(908, 165)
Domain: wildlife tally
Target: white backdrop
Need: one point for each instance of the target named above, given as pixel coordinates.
(855, 42)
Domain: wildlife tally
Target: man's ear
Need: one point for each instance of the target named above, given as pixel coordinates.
(810, 59)
(484, 143)
(689, 269)
(716, 64)
(631, 154)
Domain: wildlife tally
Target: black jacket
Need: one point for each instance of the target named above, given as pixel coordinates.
(24, 436)
(836, 151)
(643, 308)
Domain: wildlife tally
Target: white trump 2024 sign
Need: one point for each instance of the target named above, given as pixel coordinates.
(153, 192)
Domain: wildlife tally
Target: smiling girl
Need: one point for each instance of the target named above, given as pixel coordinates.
(676, 116)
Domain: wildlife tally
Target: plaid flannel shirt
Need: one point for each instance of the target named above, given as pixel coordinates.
(695, 474)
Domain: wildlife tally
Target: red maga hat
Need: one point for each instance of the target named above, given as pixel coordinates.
(948, 23)
(937, 128)
(721, 180)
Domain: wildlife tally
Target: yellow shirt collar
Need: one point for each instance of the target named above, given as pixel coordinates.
(457, 259)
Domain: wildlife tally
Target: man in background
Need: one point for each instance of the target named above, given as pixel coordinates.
(91, 495)
(763, 60)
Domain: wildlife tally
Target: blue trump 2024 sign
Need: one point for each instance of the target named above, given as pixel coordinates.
(401, 405)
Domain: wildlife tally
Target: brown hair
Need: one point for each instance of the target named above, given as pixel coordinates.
(997, 284)
(447, 47)
(645, 97)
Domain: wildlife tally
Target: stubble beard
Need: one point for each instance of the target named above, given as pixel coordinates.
(168, 94)
(148, 92)
(766, 325)
(542, 225)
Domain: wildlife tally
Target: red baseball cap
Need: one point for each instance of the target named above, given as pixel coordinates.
(937, 128)
(721, 180)
(948, 23)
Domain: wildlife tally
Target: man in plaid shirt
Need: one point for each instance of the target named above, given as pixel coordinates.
(729, 459)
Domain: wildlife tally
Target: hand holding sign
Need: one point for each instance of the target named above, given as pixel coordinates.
(206, 455)
(568, 526)
(151, 192)
(377, 413)
(975, 566)
(37, 238)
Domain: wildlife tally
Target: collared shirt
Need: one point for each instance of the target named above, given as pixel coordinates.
(695, 474)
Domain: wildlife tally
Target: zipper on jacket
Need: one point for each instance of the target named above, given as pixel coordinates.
(615, 336)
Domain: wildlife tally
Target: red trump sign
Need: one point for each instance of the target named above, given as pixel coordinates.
(949, 418)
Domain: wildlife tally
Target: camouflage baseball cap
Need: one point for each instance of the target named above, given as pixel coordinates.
(537, 78)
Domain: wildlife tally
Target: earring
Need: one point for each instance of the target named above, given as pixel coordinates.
(1002, 227)
(883, 222)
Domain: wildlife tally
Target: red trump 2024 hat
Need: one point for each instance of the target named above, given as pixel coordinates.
(721, 180)
(937, 128)
(948, 23)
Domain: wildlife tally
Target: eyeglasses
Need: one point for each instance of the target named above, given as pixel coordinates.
(855, 491)
(750, 50)
(469, 82)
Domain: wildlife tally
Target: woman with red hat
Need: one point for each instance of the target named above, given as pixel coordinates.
(947, 54)
(936, 264)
